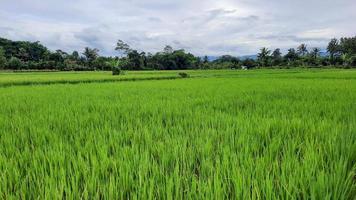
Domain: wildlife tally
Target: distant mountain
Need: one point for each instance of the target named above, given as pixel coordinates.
(253, 57)
(210, 58)
(323, 53)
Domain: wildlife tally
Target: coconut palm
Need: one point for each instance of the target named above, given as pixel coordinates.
(263, 56)
(302, 50)
(315, 52)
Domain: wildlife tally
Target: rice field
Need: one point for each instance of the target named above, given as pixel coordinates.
(262, 134)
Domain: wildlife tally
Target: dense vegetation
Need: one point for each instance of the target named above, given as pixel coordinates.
(22, 55)
(261, 134)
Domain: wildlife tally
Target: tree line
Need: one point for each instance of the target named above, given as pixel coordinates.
(340, 53)
(24, 55)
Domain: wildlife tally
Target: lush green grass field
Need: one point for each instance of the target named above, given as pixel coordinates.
(9, 79)
(270, 134)
(35, 78)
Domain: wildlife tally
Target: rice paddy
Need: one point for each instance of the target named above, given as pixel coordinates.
(263, 134)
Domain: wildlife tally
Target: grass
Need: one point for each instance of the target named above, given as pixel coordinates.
(10, 79)
(267, 134)
(43, 78)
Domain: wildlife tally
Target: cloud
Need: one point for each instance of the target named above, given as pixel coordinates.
(292, 38)
(210, 27)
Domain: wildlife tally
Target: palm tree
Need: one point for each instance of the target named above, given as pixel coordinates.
(315, 52)
(333, 47)
(264, 56)
(291, 56)
(90, 55)
(276, 57)
(302, 49)
(168, 49)
(123, 48)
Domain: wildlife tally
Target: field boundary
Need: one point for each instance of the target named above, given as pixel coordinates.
(30, 83)
(168, 77)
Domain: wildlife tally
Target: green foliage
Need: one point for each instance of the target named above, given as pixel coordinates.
(70, 64)
(348, 45)
(349, 60)
(116, 71)
(249, 63)
(343, 51)
(90, 56)
(259, 134)
(123, 63)
(102, 63)
(276, 57)
(178, 60)
(122, 47)
(36, 56)
(291, 56)
(333, 47)
(15, 63)
(183, 74)
(136, 60)
(302, 50)
(225, 62)
(27, 51)
(2, 58)
(168, 49)
(264, 57)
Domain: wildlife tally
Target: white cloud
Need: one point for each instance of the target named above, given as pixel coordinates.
(210, 27)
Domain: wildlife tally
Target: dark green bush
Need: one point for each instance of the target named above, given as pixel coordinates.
(15, 63)
(183, 75)
(2, 58)
(116, 71)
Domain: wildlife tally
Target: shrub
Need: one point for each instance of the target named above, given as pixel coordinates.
(116, 71)
(70, 64)
(47, 65)
(183, 75)
(15, 63)
(31, 65)
(101, 63)
(2, 58)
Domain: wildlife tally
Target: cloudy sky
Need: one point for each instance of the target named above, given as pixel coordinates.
(203, 27)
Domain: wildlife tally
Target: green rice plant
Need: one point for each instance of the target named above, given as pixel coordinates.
(183, 74)
(264, 134)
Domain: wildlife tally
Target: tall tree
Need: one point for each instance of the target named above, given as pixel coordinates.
(302, 49)
(348, 45)
(75, 55)
(57, 56)
(2, 58)
(291, 56)
(205, 59)
(15, 63)
(333, 48)
(264, 56)
(135, 60)
(122, 47)
(37, 51)
(315, 52)
(90, 55)
(23, 54)
(63, 54)
(277, 57)
(168, 49)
